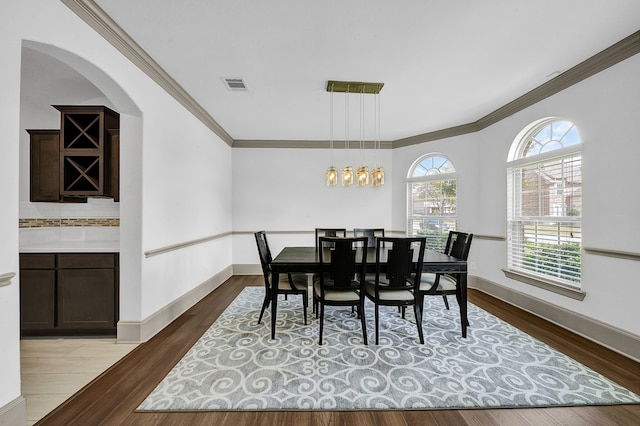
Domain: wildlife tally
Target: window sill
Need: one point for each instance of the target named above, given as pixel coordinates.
(545, 284)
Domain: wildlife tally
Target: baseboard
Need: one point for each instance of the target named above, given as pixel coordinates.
(606, 335)
(14, 413)
(141, 331)
(247, 269)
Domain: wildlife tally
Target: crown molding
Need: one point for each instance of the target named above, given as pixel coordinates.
(95, 17)
(614, 54)
(102, 23)
(301, 144)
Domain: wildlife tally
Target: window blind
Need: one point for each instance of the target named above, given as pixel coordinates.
(545, 218)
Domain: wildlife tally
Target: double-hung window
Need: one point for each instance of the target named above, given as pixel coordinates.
(544, 185)
(432, 200)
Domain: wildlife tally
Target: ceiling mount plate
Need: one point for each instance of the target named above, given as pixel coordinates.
(354, 87)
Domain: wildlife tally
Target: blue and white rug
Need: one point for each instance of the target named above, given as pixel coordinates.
(236, 366)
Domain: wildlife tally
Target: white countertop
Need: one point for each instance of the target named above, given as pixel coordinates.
(70, 240)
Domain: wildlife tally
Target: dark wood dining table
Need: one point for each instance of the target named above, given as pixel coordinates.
(306, 260)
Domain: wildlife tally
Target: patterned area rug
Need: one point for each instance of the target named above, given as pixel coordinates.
(236, 366)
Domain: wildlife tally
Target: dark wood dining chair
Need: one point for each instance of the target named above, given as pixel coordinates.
(397, 278)
(370, 233)
(325, 232)
(287, 284)
(458, 245)
(329, 232)
(337, 283)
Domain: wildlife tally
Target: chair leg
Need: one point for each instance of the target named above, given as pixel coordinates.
(377, 324)
(417, 309)
(321, 322)
(362, 320)
(305, 302)
(446, 302)
(265, 305)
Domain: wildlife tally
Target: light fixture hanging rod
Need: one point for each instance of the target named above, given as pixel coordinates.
(354, 87)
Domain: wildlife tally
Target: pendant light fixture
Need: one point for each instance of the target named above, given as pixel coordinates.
(347, 172)
(362, 176)
(377, 174)
(332, 173)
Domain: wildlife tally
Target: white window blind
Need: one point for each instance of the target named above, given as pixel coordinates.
(545, 218)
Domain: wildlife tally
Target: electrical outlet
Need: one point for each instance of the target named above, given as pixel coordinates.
(472, 266)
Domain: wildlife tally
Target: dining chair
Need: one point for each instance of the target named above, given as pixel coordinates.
(370, 233)
(287, 284)
(325, 232)
(397, 277)
(340, 266)
(458, 245)
(329, 232)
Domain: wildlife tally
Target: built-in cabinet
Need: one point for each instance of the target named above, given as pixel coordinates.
(44, 165)
(79, 160)
(68, 294)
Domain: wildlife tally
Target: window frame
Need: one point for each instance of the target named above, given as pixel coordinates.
(436, 243)
(517, 164)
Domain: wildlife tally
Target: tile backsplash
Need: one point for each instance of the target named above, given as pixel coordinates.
(66, 222)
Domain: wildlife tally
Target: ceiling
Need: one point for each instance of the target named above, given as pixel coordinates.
(443, 63)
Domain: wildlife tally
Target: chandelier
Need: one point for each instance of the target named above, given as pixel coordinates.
(362, 176)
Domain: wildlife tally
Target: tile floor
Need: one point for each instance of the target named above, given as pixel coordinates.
(55, 369)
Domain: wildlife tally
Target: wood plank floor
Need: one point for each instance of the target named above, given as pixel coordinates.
(113, 396)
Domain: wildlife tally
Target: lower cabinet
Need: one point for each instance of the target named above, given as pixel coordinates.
(68, 294)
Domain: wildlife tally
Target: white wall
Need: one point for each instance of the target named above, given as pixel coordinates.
(284, 190)
(9, 137)
(175, 173)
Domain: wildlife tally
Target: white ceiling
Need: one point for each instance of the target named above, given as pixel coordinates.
(443, 63)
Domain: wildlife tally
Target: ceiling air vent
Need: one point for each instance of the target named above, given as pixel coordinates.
(236, 84)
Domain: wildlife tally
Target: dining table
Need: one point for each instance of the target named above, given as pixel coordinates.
(307, 260)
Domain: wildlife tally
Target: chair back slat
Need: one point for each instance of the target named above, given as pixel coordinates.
(341, 260)
(264, 253)
(458, 244)
(329, 232)
(402, 267)
(370, 233)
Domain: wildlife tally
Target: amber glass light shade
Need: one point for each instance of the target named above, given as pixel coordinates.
(332, 176)
(378, 176)
(347, 176)
(362, 176)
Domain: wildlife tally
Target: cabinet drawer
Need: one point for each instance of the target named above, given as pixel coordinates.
(37, 261)
(86, 260)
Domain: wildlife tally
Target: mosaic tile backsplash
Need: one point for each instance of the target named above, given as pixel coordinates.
(64, 222)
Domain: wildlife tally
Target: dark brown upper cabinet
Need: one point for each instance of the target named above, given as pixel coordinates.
(80, 160)
(85, 152)
(44, 165)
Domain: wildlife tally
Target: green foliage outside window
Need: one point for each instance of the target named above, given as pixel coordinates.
(562, 260)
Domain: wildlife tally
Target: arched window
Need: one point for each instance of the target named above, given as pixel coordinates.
(545, 202)
(432, 200)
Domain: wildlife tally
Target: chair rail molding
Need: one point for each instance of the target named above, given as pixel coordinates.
(489, 237)
(178, 246)
(5, 279)
(629, 255)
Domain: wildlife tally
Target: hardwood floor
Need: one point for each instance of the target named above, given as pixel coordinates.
(114, 395)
